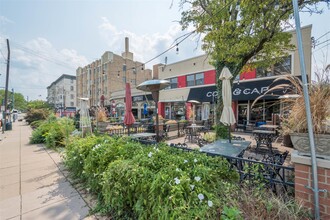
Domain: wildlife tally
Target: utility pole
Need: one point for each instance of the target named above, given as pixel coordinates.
(6, 90)
(13, 98)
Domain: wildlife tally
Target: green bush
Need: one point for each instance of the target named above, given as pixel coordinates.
(221, 131)
(53, 132)
(36, 115)
(136, 181)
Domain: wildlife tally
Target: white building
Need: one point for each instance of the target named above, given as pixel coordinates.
(62, 93)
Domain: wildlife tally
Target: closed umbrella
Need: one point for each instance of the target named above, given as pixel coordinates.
(129, 117)
(227, 115)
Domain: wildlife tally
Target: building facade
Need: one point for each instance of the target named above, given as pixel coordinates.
(192, 92)
(103, 81)
(62, 94)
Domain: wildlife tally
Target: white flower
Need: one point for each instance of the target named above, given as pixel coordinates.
(192, 187)
(195, 160)
(80, 162)
(200, 196)
(185, 161)
(157, 149)
(177, 169)
(197, 178)
(150, 154)
(210, 203)
(177, 181)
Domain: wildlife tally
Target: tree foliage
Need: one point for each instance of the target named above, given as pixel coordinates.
(19, 101)
(242, 34)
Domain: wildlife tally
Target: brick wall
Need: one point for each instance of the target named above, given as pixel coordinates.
(303, 178)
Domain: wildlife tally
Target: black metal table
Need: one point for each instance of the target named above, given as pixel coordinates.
(264, 137)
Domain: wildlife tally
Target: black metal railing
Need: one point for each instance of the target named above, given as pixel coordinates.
(272, 173)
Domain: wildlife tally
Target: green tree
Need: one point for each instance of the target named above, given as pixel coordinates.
(242, 34)
(38, 104)
(19, 101)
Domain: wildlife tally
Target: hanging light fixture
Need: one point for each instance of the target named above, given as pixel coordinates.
(177, 48)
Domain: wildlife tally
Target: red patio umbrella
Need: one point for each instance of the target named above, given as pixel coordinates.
(129, 117)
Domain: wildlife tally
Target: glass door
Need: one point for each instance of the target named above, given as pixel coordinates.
(242, 111)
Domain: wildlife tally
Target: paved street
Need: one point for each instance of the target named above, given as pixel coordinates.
(32, 184)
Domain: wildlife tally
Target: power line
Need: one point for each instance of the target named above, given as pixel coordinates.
(43, 56)
(3, 55)
(322, 42)
(322, 47)
(322, 35)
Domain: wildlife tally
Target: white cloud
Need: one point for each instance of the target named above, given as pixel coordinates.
(37, 63)
(146, 47)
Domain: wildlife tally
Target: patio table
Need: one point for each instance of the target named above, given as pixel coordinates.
(145, 135)
(264, 137)
(193, 133)
(231, 151)
(223, 148)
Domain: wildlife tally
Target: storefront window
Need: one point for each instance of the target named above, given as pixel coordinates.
(257, 112)
(178, 111)
(263, 110)
(242, 113)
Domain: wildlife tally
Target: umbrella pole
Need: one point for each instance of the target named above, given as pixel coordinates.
(128, 130)
(229, 134)
(157, 123)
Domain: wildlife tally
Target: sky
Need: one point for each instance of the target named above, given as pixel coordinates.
(49, 38)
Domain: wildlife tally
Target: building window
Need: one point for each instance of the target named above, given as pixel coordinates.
(71, 103)
(195, 79)
(281, 68)
(72, 96)
(71, 80)
(174, 83)
(199, 79)
(71, 88)
(190, 80)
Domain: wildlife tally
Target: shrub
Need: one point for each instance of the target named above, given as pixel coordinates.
(53, 132)
(36, 115)
(221, 131)
(136, 181)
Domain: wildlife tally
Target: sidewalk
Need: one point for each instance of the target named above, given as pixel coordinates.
(32, 184)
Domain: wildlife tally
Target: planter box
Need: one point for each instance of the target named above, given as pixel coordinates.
(300, 142)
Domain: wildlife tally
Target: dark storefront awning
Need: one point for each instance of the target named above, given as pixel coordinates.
(242, 91)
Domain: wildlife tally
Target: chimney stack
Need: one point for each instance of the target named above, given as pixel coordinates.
(126, 44)
(127, 54)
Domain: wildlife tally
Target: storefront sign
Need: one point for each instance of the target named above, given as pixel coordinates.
(246, 90)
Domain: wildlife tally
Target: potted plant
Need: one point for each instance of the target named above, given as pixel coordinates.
(296, 122)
